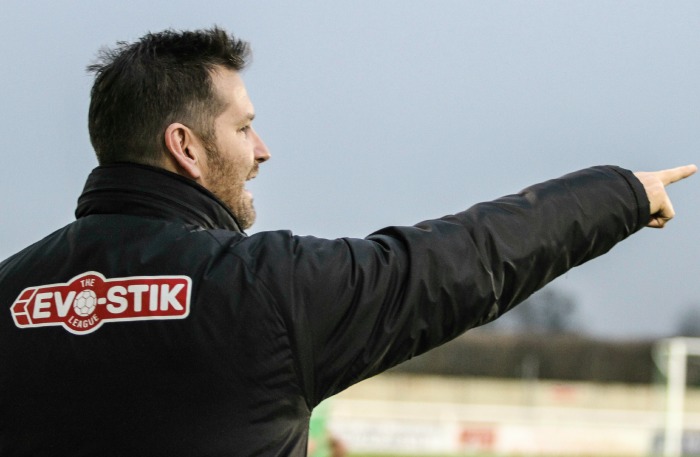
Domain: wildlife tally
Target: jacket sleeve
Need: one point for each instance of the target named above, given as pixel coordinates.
(356, 307)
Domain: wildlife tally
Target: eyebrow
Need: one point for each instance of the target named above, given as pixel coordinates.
(246, 119)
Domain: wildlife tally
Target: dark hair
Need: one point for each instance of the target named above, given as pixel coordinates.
(140, 88)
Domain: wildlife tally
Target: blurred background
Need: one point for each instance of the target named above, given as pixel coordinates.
(392, 112)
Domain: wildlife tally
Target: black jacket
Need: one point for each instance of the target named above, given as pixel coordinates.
(152, 326)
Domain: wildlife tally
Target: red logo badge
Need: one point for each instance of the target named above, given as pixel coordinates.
(89, 300)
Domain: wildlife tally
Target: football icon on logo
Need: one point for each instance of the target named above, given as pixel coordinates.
(85, 303)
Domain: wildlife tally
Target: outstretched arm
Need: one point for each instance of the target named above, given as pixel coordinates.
(356, 307)
(655, 183)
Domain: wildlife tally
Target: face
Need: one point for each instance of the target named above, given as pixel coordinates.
(237, 151)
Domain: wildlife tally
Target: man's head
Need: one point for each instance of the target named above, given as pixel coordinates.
(171, 100)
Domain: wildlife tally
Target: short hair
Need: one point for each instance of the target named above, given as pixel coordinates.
(140, 88)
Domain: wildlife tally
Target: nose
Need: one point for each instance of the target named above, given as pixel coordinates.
(262, 154)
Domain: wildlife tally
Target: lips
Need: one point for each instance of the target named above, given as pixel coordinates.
(253, 173)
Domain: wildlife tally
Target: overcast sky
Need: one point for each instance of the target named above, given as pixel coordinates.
(391, 112)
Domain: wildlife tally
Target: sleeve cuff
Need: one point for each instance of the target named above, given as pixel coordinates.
(640, 195)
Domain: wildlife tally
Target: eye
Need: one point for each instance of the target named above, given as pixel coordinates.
(245, 129)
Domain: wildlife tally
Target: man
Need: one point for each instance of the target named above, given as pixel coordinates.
(152, 325)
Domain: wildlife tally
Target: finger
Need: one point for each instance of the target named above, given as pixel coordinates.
(658, 222)
(663, 215)
(676, 174)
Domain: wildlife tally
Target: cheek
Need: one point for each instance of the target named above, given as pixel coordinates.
(243, 152)
(230, 148)
(240, 159)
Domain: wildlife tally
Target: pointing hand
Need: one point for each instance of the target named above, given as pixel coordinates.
(655, 183)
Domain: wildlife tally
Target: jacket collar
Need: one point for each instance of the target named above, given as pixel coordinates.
(141, 190)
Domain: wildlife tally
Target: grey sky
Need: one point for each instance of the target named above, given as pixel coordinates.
(390, 112)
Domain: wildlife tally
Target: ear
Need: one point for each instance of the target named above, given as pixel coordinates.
(186, 152)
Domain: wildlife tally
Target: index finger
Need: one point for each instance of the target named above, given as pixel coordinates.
(676, 174)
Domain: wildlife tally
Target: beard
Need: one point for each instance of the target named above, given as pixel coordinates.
(224, 183)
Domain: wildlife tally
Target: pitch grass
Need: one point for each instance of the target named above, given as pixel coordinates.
(418, 455)
(452, 455)
(404, 455)
(415, 455)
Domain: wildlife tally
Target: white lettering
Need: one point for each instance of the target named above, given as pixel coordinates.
(83, 323)
(62, 307)
(168, 297)
(40, 305)
(116, 296)
(138, 290)
(153, 304)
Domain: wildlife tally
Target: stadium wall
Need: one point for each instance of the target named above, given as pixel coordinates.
(428, 415)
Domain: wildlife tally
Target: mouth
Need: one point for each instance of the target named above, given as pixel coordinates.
(250, 177)
(253, 173)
